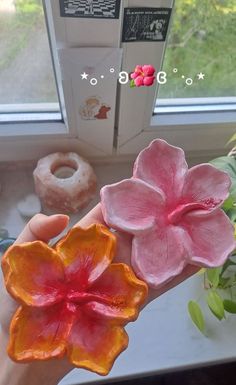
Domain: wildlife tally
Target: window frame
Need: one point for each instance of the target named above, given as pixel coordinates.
(45, 130)
(131, 131)
(192, 131)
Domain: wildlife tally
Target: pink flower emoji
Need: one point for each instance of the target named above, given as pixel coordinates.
(143, 75)
(172, 212)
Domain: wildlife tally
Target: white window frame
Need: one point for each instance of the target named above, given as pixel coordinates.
(201, 132)
(26, 136)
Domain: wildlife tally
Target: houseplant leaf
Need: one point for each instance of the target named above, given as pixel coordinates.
(232, 139)
(228, 164)
(230, 306)
(213, 276)
(215, 304)
(196, 315)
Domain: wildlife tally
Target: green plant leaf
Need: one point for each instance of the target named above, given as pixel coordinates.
(215, 304)
(230, 306)
(132, 84)
(228, 164)
(225, 163)
(196, 315)
(213, 276)
(228, 204)
(232, 139)
(227, 264)
(224, 283)
(231, 214)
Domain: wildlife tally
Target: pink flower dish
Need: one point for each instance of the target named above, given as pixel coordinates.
(172, 212)
(143, 75)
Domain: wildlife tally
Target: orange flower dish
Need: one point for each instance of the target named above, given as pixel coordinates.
(73, 300)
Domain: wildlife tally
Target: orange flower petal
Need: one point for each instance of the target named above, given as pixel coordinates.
(33, 273)
(39, 334)
(121, 293)
(86, 253)
(94, 343)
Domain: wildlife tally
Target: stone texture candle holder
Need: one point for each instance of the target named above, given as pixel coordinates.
(64, 182)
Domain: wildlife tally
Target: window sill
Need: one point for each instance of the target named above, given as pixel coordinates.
(24, 129)
(167, 118)
(194, 111)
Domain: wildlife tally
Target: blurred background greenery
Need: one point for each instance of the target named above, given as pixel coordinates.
(26, 73)
(16, 27)
(202, 39)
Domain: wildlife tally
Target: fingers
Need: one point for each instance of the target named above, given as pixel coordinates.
(94, 216)
(124, 245)
(42, 227)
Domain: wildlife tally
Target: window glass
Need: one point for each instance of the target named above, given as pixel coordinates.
(26, 72)
(201, 53)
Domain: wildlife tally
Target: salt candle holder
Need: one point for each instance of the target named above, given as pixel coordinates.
(64, 172)
(64, 182)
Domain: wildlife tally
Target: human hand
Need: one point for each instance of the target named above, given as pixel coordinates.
(44, 228)
(40, 227)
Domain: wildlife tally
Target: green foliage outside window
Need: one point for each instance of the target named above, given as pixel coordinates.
(202, 39)
(28, 6)
(16, 28)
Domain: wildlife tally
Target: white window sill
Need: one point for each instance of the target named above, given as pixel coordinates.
(194, 111)
(167, 118)
(33, 128)
(21, 120)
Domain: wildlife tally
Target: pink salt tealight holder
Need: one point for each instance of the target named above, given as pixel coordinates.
(64, 182)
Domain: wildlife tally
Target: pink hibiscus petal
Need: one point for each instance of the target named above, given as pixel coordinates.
(206, 185)
(160, 255)
(211, 238)
(138, 69)
(164, 167)
(131, 205)
(149, 80)
(148, 70)
(139, 81)
(134, 75)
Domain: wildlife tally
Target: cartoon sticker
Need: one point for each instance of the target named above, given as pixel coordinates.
(93, 108)
(145, 24)
(95, 9)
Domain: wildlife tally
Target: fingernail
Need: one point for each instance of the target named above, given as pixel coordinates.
(63, 216)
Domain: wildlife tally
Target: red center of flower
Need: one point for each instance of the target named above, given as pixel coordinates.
(175, 216)
(82, 297)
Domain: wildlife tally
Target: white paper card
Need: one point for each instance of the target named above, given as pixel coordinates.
(90, 79)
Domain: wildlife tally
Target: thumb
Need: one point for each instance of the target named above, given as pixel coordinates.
(42, 227)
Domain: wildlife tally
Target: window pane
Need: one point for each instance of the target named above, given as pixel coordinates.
(26, 72)
(202, 40)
